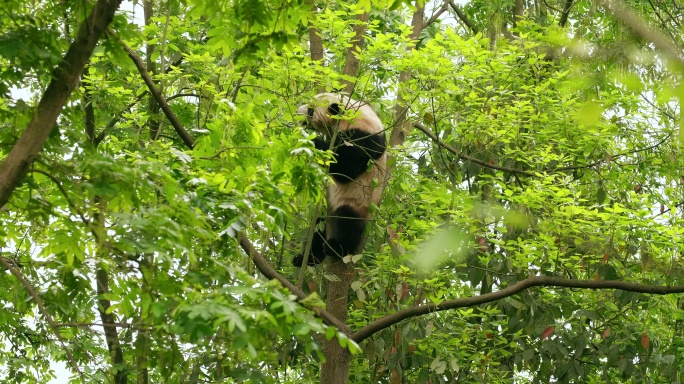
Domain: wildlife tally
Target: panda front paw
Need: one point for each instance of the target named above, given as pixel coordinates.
(334, 248)
(298, 260)
(321, 144)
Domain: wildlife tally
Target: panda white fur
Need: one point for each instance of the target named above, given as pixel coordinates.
(358, 171)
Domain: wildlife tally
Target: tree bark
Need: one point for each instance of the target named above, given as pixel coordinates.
(111, 336)
(315, 40)
(64, 79)
(101, 276)
(351, 64)
(401, 128)
(153, 123)
(335, 370)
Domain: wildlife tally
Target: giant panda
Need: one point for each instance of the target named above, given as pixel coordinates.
(358, 171)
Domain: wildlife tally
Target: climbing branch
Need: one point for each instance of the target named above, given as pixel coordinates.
(536, 281)
(269, 272)
(315, 40)
(461, 156)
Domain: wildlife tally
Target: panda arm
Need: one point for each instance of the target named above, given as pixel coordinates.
(353, 150)
(321, 144)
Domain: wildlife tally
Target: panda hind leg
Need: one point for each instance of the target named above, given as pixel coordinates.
(317, 252)
(347, 226)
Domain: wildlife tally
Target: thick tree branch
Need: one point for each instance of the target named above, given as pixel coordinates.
(536, 281)
(270, 273)
(315, 40)
(518, 9)
(461, 156)
(630, 18)
(351, 64)
(111, 336)
(463, 17)
(566, 12)
(401, 127)
(103, 303)
(9, 264)
(184, 135)
(436, 15)
(64, 79)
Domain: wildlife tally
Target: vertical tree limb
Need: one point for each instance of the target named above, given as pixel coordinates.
(565, 14)
(103, 304)
(153, 123)
(111, 336)
(336, 367)
(101, 278)
(142, 341)
(351, 64)
(315, 40)
(65, 78)
(518, 10)
(401, 128)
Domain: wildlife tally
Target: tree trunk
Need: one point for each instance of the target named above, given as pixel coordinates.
(335, 370)
(65, 78)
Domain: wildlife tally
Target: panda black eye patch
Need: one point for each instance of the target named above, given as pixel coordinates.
(310, 111)
(334, 109)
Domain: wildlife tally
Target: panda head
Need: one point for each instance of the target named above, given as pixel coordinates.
(325, 114)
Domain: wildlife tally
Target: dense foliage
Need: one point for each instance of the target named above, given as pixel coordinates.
(558, 154)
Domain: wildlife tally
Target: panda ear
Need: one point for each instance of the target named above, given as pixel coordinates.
(334, 109)
(310, 111)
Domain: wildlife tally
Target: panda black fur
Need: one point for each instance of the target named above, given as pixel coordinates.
(359, 141)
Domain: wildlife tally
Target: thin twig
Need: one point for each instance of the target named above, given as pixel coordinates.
(10, 264)
(595, 163)
(461, 156)
(630, 18)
